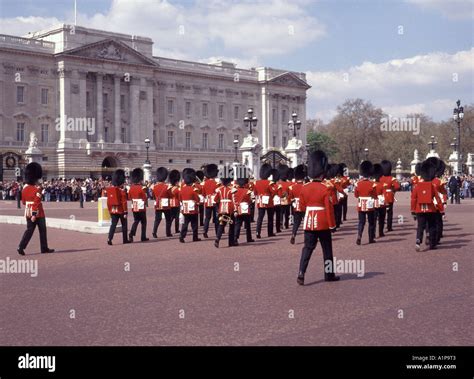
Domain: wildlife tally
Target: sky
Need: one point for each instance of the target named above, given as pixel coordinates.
(405, 56)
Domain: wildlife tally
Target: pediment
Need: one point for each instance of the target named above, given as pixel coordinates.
(111, 50)
(289, 79)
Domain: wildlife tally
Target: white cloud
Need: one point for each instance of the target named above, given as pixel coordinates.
(423, 83)
(453, 9)
(21, 26)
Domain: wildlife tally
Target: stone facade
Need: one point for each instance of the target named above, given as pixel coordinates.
(92, 97)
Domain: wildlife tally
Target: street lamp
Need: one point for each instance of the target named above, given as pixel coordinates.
(294, 124)
(250, 120)
(432, 143)
(455, 144)
(366, 153)
(236, 146)
(147, 146)
(458, 115)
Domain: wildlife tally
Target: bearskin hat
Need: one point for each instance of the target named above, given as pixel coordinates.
(275, 175)
(33, 172)
(242, 182)
(291, 174)
(418, 168)
(332, 170)
(428, 170)
(342, 168)
(300, 172)
(136, 176)
(283, 169)
(439, 164)
(377, 171)
(317, 164)
(189, 176)
(200, 175)
(211, 170)
(174, 177)
(366, 168)
(265, 171)
(161, 174)
(386, 167)
(118, 177)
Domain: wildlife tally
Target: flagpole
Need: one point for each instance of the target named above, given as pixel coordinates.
(75, 12)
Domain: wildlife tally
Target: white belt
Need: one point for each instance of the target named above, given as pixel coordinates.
(388, 190)
(315, 208)
(366, 198)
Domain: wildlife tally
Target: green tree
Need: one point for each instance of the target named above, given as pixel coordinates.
(321, 141)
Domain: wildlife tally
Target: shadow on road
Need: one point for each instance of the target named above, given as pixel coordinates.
(367, 275)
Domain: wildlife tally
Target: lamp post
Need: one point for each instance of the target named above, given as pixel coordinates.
(294, 124)
(147, 146)
(366, 153)
(454, 144)
(236, 146)
(432, 143)
(458, 115)
(250, 120)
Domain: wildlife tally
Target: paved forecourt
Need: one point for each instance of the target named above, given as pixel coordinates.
(165, 293)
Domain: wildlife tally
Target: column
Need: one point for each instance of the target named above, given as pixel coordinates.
(264, 117)
(100, 108)
(64, 100)
(135, 109)
(149, 123)
(82, 105)
(117, 122)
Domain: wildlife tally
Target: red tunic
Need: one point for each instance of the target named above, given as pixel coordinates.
(319, 211)
(116, 200)
(379, 191)
(285, 192)
(162, 195)
(440, 186)
(264, 192)
(209, 191)
(425, 198)
(366, 194)
(391, 186)
(295, 191)
(174, 197)
(224, 200)
(189, 200)
(138, 197)
(242, 200)
(31, 198)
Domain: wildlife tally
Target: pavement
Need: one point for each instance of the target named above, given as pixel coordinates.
(162, 292)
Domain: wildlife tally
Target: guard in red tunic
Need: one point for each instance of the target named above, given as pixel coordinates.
(440, 186)
(331, 182)
(319, 217)
(242, 198)
(174, 177)
(380, 208)
(34, 213)
(425, 202)
(391, 185)
(264, 191)
(189, 200)
(138, 197)
(225, 210)
(365, 194)
(198, 185)
(286, 175)
(278, 193)
(209, 192)
(295, 191)
(345, 183)
(117, 205)
(415, 179)
(162, 195)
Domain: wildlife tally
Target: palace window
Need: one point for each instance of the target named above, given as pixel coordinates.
(283, 116)
(88, 100)
(187, 108)
(106, 134)
(188, 140)
(154, 137)
(105, 101)
(221, 141)
(274, 116)
(237, 137)
(236, 112)
(20, 94)
(123, 135)
(204, 140)
(154, 106)
(44, 96)
(122, 103)
(170, 142)
(221, 111)
(44, 133)
(170, 107)
(20, 131)
(205, 110)
(285, 141)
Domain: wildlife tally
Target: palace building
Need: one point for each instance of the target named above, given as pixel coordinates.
(92, 97)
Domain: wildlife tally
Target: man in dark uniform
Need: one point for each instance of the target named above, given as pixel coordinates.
(319, 217)
(34, 213)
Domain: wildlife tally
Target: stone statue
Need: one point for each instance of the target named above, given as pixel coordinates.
(33, 141)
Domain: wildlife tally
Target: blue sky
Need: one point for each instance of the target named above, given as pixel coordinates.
(329, 40)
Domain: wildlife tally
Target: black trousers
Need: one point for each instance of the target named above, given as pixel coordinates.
(174, 216)
(243, 219)
(139, 218)
(310, 241)
(210, 211)
(278, 218)
(439, 226)
(30, 228)
(380, 218)
(158, 217)
(261, 215)
(297, 219)
(201, 214)
(389, 209)
(221, 227)
(424, 219)
(252, 212)
(371, 217)
(285, 215)
(344, 208)
(115, 219)
(338, 214)
(455, 195)
(193, 219)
